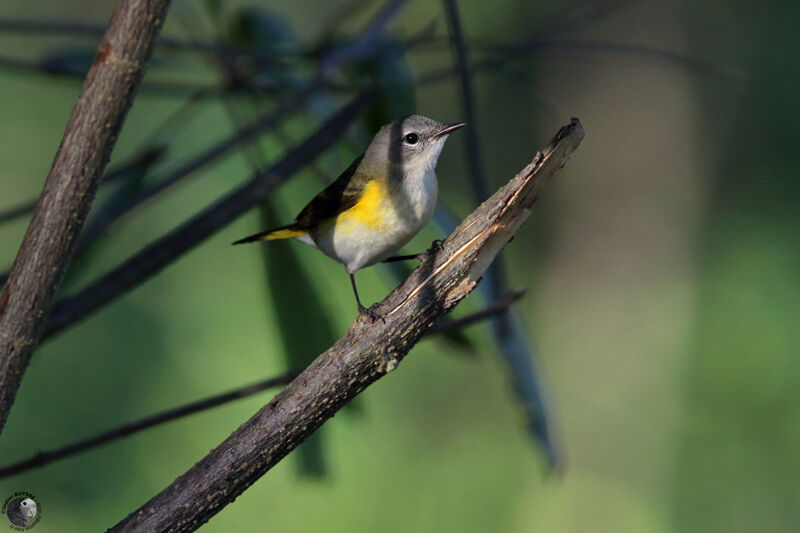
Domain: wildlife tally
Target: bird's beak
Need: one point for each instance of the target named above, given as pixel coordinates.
(450, 128)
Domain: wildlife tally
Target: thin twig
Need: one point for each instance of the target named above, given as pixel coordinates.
(516, 351)
(503, 55)
(474, 152)
(365, 45)
(164, 250)
(163, 87)
(501, 305)
(363, 355)
(44, 458)
(70, 186)
(140, 163)
(103, 220)
(77, 28)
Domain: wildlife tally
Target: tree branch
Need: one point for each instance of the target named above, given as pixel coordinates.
(162, 251)
(84, 445)
(363, 355)
(71, 185)
(499, 306)
(46, 457)
(105, 218)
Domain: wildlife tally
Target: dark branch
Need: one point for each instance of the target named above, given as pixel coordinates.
(84, 445)
(101, 222)
(161, 252)
(47, 457)
(474, 152)
(366, 44)
(90, 30)
(70, 186)
(139, 164)
(500, 306)
(363, 355)
(514, 347)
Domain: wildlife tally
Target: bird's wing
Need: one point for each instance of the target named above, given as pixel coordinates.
(336, 198)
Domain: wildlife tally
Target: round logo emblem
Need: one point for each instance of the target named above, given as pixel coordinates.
(23, 510)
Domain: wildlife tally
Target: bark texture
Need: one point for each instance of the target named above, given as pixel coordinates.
(70, 186)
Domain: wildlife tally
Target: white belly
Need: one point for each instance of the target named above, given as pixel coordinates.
(405, 213)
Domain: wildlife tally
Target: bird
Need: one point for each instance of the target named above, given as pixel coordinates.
(378, 204)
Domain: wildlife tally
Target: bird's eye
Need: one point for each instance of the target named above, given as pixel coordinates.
(411, 138)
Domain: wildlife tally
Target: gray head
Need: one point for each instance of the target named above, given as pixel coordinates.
(412, 143)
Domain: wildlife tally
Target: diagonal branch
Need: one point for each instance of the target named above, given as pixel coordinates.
(71, 185)
(105, 218)
(46, 457)
(363, 355)
(164, 250)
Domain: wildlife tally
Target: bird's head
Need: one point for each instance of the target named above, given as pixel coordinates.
(412, 143)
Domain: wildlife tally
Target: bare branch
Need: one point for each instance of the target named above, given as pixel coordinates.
(272, 118)
(363, 355)
(84, 445)
(499, 306)
(474, 152)
(44, 458)
(78, 28)
(162, 251)
(366, 42)
(70, 186)
(141, 162)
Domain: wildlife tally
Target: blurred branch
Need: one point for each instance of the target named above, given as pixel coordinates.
(363, 355)
(514, 347)
(70, 186)
(165, 87)
(474, 153)
(503, 55)
(139, 163)
(365, 45)
(87, 29)
(501, 305)
(46, 457)
(577, 13)
(161, 252)
(691, 62)
(105, 218)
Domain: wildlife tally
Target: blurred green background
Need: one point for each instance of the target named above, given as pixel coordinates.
(663, 265)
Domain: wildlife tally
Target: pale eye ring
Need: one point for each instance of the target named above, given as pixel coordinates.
(411, 138)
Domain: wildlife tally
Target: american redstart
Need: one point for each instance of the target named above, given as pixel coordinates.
(379, 203)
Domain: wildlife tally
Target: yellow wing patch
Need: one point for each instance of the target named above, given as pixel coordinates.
(369, 210)
(284, 234)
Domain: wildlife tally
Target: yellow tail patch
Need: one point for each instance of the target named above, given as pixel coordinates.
(284, 234)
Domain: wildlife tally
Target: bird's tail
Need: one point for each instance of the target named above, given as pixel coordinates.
(284, 232)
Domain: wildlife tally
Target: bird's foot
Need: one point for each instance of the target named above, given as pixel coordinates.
(371, 313)
(436, 246)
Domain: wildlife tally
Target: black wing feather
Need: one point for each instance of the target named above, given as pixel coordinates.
(337, 197)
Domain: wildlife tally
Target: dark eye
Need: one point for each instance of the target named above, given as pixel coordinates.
(411, 138)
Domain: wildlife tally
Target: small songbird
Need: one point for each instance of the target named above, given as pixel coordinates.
(379, 203)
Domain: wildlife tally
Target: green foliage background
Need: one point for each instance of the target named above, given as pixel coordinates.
(664, 268)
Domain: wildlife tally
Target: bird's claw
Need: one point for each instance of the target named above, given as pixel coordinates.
(371, 313)
(436, 246)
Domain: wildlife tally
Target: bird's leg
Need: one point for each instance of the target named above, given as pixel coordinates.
(361, 309)
(435, 247)
(396, 258)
